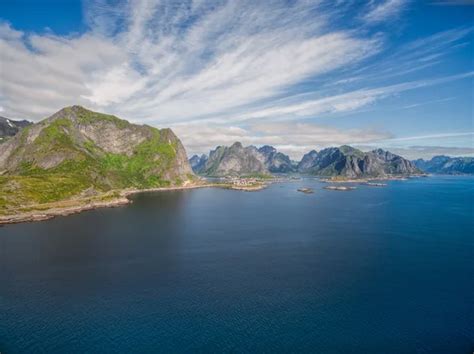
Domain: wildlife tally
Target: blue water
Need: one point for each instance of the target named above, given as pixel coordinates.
(374, 270)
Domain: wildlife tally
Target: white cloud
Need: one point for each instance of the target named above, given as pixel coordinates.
(215, 70)
(147, 59)
(384, 10)
(427, 152)
(292, 138)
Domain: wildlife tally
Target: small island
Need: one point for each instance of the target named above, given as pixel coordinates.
(376, 184)
(339, 188)
(306, 190)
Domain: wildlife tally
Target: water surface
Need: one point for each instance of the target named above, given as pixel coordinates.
(375, 270)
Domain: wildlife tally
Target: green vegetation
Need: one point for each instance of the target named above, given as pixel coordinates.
(144, 168)
(88, 117)
(85, 166)
(263, 176)
(349, 150)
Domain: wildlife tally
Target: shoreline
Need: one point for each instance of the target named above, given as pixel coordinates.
(123, 198)
(372, 179)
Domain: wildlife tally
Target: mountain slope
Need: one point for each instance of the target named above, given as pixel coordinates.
(276, 162)
(447, 165)
(77, 151)
(235, 160)
(9, 127)
(349, 162)
(198, 163)
(238, 160)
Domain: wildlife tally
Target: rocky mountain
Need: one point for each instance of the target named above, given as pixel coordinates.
(238, 160)
(9, 127)
(198, 163)
(346, 161)
(307, 161)
(234, 160)
(77, 150)
(447, 165)
(276, 162)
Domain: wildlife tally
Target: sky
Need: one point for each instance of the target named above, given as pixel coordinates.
(295, 74)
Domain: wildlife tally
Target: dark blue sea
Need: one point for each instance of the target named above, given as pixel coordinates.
(374, 270)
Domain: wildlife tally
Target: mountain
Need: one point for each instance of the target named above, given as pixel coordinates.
(237, 160)
(447, 165)
(9, 127)
(307, 161)
(349, 162)
(198, 163)
(276, 162)
(77, 151)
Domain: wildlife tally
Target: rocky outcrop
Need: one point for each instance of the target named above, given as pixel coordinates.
(446, 165)
(9, 127)
(348, 162)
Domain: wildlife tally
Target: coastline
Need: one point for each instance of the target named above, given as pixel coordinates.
(117, 198)
(114, 199)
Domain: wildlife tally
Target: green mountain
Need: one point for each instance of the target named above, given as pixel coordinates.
(77, 153)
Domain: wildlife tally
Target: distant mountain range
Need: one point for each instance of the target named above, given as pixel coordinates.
(9, 127)
(344, 161)
(447, 165)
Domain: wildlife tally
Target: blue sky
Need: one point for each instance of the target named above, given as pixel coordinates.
(295, 74)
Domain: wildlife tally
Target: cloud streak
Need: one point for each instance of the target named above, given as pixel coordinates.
(217, 70)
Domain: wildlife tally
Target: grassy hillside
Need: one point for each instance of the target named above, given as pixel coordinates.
(57, 159)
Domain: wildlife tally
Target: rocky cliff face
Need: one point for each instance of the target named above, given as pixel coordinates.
(198, 163)
(9, 127)
(238, 160)
(235, 160)
(349, 162)
(446, 165)
(95, 150)
(276, 162)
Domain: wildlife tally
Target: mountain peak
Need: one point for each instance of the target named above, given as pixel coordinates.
(237, 144)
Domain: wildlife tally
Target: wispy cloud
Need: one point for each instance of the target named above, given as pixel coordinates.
(383, 10)
(433, 136)
(221, 68)
(294, 139)
(413, 152)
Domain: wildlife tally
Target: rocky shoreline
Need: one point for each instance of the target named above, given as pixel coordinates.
(80, 205)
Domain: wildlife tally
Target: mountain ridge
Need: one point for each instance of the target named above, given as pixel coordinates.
(446, 165)
(344, 161)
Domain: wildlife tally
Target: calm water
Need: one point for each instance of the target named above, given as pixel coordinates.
(375, 270)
